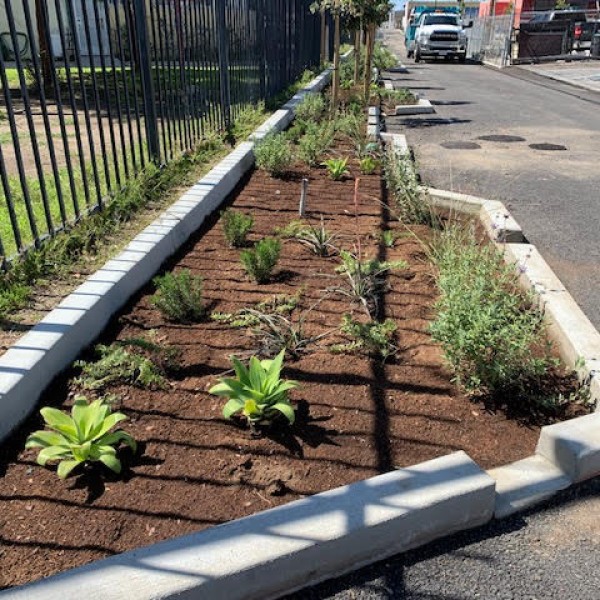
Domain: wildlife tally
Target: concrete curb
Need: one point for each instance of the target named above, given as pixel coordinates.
(499, 224)
(289, 547)
(30, 365)
(423, 107)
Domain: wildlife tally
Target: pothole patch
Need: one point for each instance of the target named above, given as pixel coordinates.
(501, 138)
(545, 146)
(460, 145)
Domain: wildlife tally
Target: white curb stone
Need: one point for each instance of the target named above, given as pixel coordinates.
(31, 364)
(526, 483)
(287, 548)
(422, 107)
(578, 341)
(574, 446)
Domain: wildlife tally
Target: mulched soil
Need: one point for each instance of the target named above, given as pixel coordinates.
(357, 417)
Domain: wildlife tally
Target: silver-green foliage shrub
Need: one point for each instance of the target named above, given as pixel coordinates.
(315, 142)
(490, 332)
(402, 184)
(311, 109)
(179, 296)
(273, 154)
(136, 361)
(260, 261)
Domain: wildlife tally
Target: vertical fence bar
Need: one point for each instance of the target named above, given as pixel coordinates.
(125, 84)
(12, 215)
(159, 82)
(41, 85)
(86, 109)
(224, 84)
(147, 83)
(30, 124)
(130, 23)
(117, 91)
(73, 104)
(43, 22)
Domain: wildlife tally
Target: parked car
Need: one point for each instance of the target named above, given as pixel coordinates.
(440, 34)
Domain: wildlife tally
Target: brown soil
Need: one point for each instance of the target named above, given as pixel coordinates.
(356, 416)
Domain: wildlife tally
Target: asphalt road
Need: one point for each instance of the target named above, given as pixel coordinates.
(549, 554)
(553, 194)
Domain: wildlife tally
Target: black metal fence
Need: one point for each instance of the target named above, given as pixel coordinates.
(93, 90)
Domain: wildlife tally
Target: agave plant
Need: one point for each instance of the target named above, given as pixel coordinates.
(83, 437)
(318, 240)
(257, 393)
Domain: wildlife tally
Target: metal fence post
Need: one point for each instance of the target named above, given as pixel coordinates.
(145, 63)
(219, 6)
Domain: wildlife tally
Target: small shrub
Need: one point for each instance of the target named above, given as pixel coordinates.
(296, 131)
(383, 59)
(337, 168)
(135, 361)
(374, 338)
(280, 304)
(179, 297)
(83, 437)
(388, 238)
(257, 393)
(276, 333)
(491, 334)
(311, 109)
(318, 240)
(315, 142)
(236, 227)
(399, 96)
(290, 230)
(260, 261)
(366, 280)
(368, 165)
(401, 181)
(273, 154)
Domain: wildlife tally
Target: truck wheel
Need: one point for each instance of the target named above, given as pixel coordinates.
(462, 58)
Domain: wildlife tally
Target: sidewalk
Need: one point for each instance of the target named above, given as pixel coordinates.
(585, 75)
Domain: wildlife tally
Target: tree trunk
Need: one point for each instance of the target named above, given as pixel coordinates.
(323, 38)
(356, 56)
(369, 59)
(335, 88)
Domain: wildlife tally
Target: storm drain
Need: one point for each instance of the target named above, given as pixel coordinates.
(501, 138)
(547, 147)
(460, 145)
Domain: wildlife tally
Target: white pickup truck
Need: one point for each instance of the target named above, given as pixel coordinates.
(440, 34)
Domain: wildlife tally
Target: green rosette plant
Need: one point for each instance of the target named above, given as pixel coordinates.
(83, 437)
(257, 393)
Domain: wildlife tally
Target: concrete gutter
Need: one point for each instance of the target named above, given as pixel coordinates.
(289, 547)
(30, 365)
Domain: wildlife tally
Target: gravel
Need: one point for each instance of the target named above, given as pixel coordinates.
(552, 552)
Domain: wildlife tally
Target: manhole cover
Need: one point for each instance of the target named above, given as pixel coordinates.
(547, 147)
(460, 145)
(501, 138)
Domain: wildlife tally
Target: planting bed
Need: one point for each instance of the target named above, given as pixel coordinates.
(356, 416)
